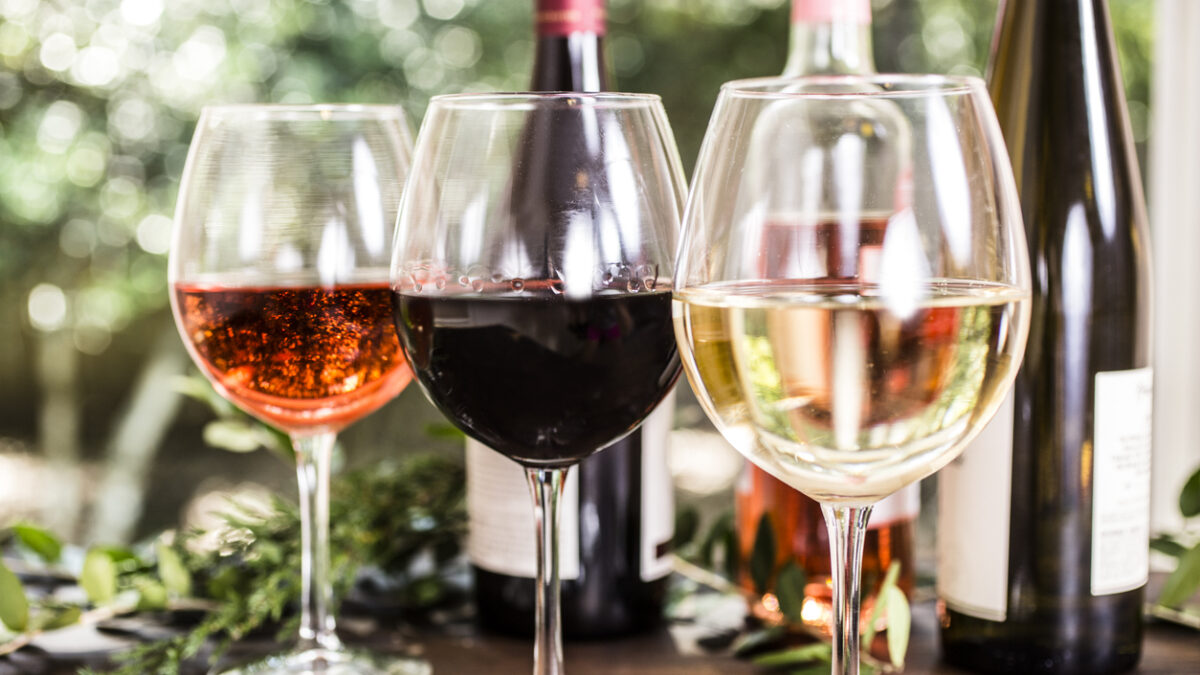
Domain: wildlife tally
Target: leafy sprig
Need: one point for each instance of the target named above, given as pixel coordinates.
(385, 517)
(1184, 582)
(769, 646)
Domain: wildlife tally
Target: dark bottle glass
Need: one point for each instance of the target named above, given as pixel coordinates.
(1047, 575)
(616, 528)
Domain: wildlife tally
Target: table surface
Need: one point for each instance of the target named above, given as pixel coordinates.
(1169, 650)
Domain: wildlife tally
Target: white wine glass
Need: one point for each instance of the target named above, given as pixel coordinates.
(852, 289)
(279, 285)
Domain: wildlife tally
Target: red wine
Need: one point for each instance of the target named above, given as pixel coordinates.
(299, 357)
(615, 561)
(538, 377)
(1049, 576)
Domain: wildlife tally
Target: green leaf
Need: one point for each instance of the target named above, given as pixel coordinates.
(756, 640)
(59, 618)
(899, 623)
(445, 432)
(99, 576)
(233, 435)
(687, 524)
(40, 541)
(1165, 543)
(789, 589)
(762, 555)
(721, 537)
(151, 595)
(14, 608)
(1189, 498)
(881, 598)
(1184, 581)
(175, 576)
(795, 656)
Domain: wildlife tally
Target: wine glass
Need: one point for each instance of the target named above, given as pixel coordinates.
(278, 273)
(532, 265)
(852, 289)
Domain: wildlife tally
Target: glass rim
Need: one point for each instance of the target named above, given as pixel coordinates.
(528, 100)
(294, 111)
(883, 85)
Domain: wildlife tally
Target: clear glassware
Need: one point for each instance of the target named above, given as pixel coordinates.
(852, 289)
(278, 275)
(532, 275)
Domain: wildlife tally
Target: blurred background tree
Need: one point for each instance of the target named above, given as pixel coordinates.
(98, 99)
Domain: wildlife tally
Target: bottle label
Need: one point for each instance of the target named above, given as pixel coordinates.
(1121, 480)
(563, 17)
(902, 505)
(502, 537)
(658, 492)
(830, 11)
(974, 497)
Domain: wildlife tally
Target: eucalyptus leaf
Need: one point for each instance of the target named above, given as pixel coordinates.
(151, 595)
(881, 598)
(44, 544)
(14, 608)
(757, 640)
(899, 624)
(796, 656)
(1165, 543)
(1189, 498)
(762, 555)
(175, 577)
(687, 524)
(99, 576)
(717, 541)
(789, 590)
(62, 617)
(233, 435)
(1184, 581)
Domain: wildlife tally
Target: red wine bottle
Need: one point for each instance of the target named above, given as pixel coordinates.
(827, 37)
(1044, 520)
(617, 516)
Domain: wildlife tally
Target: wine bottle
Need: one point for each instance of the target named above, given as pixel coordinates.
(1044, 520)
(617, 514)
(827, 37)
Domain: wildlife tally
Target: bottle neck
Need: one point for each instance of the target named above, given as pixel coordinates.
(830, 37)
(569, 53)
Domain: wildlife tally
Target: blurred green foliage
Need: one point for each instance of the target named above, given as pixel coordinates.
(98, 99)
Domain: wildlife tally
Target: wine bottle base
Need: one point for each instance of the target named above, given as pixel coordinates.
(1006, 658)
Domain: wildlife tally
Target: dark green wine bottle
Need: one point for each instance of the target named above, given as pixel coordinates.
(1044, 521)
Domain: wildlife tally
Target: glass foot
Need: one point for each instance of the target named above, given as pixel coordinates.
(328, 662)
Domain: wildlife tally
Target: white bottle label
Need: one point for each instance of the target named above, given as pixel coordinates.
(502, 537)
(658, 492)
(974, 496)
(903, 504)
(1121, 480)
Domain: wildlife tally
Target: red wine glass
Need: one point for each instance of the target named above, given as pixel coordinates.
(531, 271)
(852, 290)
(278, 274)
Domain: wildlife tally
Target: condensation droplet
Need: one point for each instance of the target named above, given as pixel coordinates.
(440, 284)
(464, 281)
(477, 284)
(649, 283)
(518, 285)
(497, 278)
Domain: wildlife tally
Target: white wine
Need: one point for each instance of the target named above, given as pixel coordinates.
(844, 392)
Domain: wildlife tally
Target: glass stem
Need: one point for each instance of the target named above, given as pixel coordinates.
(546, 486)
(847, 527)
(313, 456)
